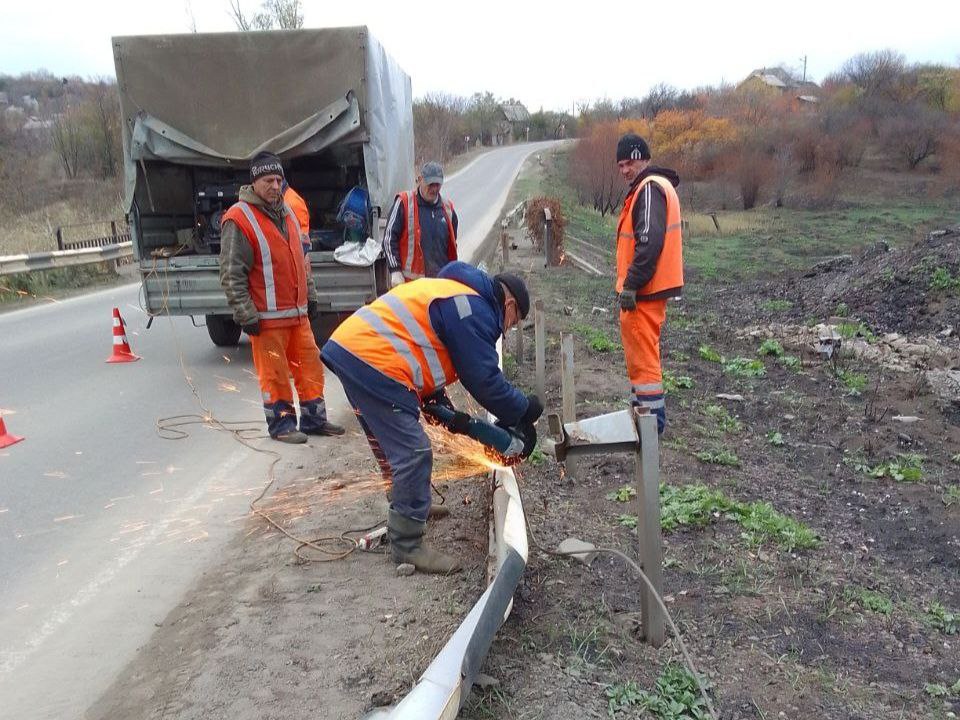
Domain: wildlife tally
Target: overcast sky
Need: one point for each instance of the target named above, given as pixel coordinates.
(545, 56)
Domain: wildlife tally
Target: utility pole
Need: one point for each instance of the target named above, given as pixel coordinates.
(804, 58)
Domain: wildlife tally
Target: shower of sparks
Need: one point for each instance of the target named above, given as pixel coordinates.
(225, 358)
(7, 411)
(64, 518)
(146, 462)
(56, 474)
(62, 563)
(227, 387)
(23, 607)
(455, 457)
(3, 510)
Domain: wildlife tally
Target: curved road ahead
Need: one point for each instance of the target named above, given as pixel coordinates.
(103, 524)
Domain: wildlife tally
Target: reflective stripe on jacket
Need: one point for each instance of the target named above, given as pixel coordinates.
(411, 251)
(278, 276)
(395, 336)
(667, 280)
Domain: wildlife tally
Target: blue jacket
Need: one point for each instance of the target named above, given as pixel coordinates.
(471, 339)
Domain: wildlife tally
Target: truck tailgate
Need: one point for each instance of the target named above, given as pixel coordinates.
(191, 285)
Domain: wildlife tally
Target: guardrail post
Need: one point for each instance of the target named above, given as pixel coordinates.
(548, 236)
(504, 246)
(518, 336)
(647, 476)
(540, 349)
(59, 238)
(568, 394)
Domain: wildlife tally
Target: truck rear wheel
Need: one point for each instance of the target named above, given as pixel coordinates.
(223, 330)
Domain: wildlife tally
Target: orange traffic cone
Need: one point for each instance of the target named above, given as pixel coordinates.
(6, 439)
(121, 348)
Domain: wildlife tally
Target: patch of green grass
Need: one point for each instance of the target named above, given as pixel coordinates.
(723, 420)
(770, 347)
(775, 438)
(673, 382)
(942, 281)
(718, 456)
(675, 696)
(776, 305)
(745, 367)
(869, 600)
(596, 338)
(791, 362)
(709, 354)
(628, 521)
(621, 494)
(906, 467)
(842, 310)
(679, 356)
(939, 690)
(690, 505)
(944, 620)
(859, 329)
(509, 365)
(537, 457)
(855, 382)
(951, 496)
(955, 459)
(762, 523)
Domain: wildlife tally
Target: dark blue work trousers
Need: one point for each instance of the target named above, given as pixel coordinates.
(389, 414)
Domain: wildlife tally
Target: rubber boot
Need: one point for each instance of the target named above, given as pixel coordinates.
(406, 546)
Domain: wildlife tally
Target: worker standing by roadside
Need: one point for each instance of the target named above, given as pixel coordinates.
(399, 353)
(421, 233)
(649, 267)
(268, 284)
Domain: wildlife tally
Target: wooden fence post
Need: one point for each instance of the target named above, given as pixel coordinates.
(540, 349)
(568, 392)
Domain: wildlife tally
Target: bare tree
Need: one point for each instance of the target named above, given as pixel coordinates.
(593, 169)
(67, 140)
(438, 124)
(660, 97)
(912, 135)
(876, 73)
(282, 14)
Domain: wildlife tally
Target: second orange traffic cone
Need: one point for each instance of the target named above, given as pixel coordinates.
(6, 439)
(121, 348)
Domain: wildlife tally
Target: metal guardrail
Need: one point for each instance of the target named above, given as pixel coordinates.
(11, 264)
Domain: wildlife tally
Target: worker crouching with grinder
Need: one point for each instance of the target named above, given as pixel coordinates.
(396, 356)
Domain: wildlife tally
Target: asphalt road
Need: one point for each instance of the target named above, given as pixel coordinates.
(103, 523)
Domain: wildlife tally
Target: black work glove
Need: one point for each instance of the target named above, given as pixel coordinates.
(251, 329)
(628, 299)
(440, 397)
(534, 410)
(527, 433)
(313, 309)
(460, 423)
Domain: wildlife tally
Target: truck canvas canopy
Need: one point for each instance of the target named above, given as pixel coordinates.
(186, 99)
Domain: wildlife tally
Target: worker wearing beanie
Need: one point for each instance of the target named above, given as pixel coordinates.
(649, 267)
(421, 232)
(269, 287)
(399, 353)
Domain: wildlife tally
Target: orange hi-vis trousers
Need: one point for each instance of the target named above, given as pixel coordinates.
(278, 353)
(640, 332)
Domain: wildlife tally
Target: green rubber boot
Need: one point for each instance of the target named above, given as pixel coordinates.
(406, 546)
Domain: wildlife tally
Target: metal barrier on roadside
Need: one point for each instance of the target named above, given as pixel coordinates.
(114, 238)
(11, 264)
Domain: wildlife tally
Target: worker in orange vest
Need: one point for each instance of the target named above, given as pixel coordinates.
(421, 232)
(299, 206)
(649, 267)
(399, 353)
(268, 285)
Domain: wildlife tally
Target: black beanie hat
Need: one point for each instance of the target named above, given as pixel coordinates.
(265, 164)
(517, 288)
(632, 147)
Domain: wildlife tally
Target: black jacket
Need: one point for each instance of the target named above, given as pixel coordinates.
(649, 226)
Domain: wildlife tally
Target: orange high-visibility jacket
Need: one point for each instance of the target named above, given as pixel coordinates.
(411, 254)
(669, 273)
(278, 277)
(394, 335)
(299, 206)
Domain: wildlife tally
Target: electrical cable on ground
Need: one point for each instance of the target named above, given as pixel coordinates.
(170, 428)
(636, 567)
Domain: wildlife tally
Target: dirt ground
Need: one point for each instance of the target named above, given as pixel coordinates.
(265, 635)
(846, 629)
